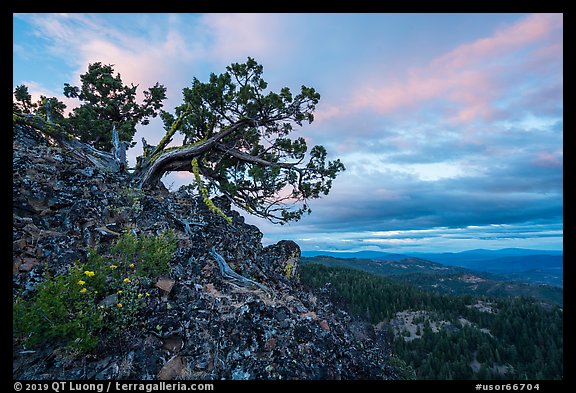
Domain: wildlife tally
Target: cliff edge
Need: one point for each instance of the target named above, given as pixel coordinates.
(226, 308)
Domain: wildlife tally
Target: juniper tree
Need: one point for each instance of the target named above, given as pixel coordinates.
(51, 108)
(105, 101)
(237, 143)
(47, 108)
(22, 100)
(236, 139)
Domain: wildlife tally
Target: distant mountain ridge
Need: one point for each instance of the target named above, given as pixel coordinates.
(452, 280)
(516, 264)
(357, 254)
(479, 254)
(386, 267)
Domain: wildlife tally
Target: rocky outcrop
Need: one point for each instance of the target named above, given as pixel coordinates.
(198, 324)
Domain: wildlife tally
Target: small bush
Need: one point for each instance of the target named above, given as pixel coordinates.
(103, 295)
(152, 253)
(61, 309)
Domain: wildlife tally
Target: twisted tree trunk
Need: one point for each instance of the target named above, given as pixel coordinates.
(179, 158)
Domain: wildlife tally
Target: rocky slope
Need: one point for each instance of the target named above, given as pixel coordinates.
(198, 324)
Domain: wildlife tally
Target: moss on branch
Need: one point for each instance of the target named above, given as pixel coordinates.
(204, 193)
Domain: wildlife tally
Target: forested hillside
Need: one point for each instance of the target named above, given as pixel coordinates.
(439, 336)
(441, 278)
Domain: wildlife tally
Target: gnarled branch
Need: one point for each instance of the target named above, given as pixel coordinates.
(179, 158)
(82, 151)
(229, 274)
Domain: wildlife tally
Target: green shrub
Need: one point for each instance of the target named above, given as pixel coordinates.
(102, 296)
(150, 254)
(60, 310)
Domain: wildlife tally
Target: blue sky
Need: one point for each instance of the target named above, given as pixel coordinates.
(450, 125)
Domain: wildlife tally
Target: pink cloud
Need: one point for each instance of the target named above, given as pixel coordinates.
(236, 36)
(422, 86)
(170, 52)
(164, 62)
(531, 29)
(548, 159)
(468, 79)
(327, 112)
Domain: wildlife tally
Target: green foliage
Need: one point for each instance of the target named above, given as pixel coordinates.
(59, 311)
(257, 166)
(51, 109)
(405, 371)
(47, 108)
(387, 296)
(152, 253)
(523, 339)
(100, 297)
(107, 101)
(23, 100)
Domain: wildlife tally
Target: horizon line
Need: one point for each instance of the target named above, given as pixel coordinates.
(437, 252)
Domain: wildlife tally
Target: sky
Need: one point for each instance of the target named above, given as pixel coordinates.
(450, 125)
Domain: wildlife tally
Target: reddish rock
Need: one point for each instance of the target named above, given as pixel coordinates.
(210, 288)
(28, 264)
(270, 344)
(324, 325)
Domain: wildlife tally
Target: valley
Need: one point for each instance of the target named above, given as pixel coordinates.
(482, 273)
(511, 264)
(448, 322)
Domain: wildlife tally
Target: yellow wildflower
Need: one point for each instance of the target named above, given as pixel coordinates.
(147, 294)
(89, 273)
(126, 279)
(119, 305)
(119, 292)
(131, 265)
(140, 295)
(83, 290)
(80, 282)
(113, 267)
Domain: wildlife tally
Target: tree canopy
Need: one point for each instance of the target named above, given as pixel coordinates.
(23, 100)
(107, 101)
(50, 109)
(236, 136)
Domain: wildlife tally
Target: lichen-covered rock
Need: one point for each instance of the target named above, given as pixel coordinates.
(281, 260)
(197, 324)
